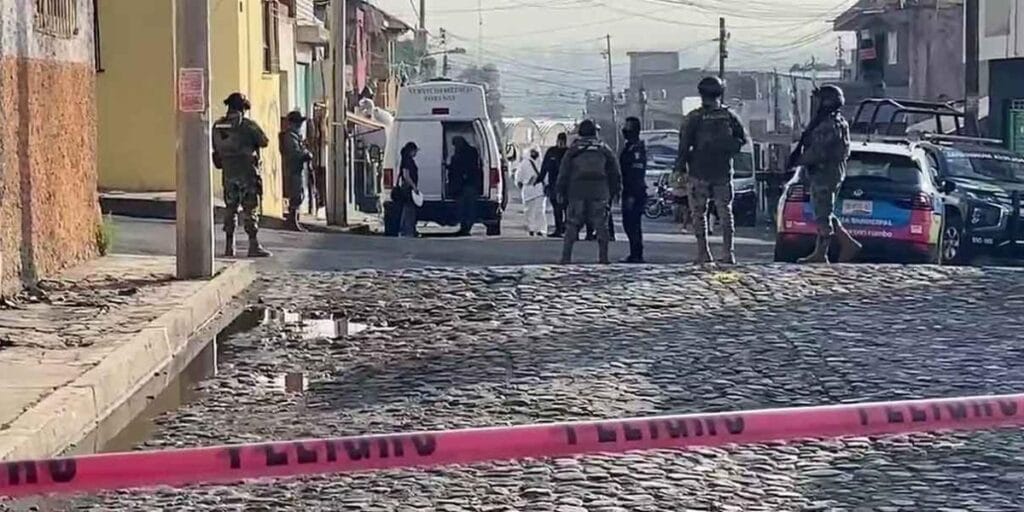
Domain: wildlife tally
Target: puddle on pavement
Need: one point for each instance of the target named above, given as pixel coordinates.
(183, 389)
(312, 328)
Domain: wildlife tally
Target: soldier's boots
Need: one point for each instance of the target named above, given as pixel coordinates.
(256, 250)
(849, 247)
(293, 222)
(728, 249)
(229, 245)
(602, 252)
(820, 254)
(703, 251)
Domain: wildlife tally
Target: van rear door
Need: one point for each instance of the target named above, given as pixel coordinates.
(429, 136)
(490, 160)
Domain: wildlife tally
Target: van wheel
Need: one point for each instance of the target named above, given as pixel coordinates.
(493, 228)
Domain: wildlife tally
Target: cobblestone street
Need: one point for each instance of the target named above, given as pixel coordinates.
(458, 348)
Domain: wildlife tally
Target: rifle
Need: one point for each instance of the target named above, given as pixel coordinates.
(801, 146)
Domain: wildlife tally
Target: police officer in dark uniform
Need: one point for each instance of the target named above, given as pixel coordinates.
(236, 144)
(633, 162)
(549, 176)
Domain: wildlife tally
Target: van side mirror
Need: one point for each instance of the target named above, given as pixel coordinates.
(947, 187)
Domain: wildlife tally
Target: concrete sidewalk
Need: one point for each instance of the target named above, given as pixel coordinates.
(162, 205)
(74, 350)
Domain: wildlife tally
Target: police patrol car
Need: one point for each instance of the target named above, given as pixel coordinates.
(892, 200)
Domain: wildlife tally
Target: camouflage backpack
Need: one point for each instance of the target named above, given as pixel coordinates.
(230, 139)
(714, 132)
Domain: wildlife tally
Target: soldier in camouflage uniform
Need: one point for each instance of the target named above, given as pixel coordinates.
(236, 144)
(589, 180)
(823, 152)
(709, 139)
(294, 157)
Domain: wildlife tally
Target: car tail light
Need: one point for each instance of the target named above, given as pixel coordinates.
(495, 179)
(921, 201)
(389, 178)
(797, 194)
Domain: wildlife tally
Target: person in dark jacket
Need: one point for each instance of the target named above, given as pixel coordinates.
(633, 163)
(409, 179)
(549, 176)
(467, 174)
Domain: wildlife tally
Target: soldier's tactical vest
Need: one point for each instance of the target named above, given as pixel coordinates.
(713, 134)
(230, 139)
(589, 162)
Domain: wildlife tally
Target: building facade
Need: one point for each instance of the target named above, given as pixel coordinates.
(1001, 49)
(908, 48)
(252, 50)
(49, 215)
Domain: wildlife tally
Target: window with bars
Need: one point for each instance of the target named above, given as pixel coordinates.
(271, 37)
(58, 18)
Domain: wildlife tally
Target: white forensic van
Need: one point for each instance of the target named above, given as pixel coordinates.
(431, 114)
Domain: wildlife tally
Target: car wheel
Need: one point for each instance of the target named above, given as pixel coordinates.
(785, 254)
(953, 244)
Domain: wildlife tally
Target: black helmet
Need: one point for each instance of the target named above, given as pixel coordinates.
(632, 124)
(587, 128)
(238, 101)
(711, 87)
(296, 117)
(830, 97)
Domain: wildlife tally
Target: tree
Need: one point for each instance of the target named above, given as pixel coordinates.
(488, 76)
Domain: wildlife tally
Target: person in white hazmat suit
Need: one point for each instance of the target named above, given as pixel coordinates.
(532, 188)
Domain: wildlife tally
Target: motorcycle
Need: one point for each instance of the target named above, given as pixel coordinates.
(661, 204)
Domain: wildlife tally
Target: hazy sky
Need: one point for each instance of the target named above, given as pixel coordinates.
(764, 32)
(552, 48)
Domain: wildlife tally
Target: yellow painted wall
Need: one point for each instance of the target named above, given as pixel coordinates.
(237, 65)
(135, 96)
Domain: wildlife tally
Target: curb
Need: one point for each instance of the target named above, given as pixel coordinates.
(73, 411)
(163, 209)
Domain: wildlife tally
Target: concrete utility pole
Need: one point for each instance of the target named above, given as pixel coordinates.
(194, 198)
(337, 178)
(776, 124)
(723, 51)
(611, 91)
(421, 30)
(972, 85)
(444, 50)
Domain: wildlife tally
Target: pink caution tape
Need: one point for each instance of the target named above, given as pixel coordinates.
(375, 452)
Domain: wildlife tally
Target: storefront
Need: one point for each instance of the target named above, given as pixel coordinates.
(366, 153)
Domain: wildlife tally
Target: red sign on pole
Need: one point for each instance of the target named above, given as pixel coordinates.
(191, 90)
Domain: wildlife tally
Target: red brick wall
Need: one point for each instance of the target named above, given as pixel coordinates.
(48, 208)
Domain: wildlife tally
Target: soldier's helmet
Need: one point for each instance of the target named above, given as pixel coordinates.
(831, 97)
(587, 128)
(711, 87)
(238, 101)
